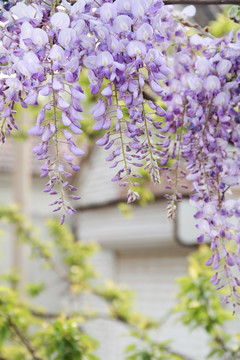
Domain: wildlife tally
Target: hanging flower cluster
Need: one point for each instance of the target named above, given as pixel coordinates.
(202, 112)
(190, 127)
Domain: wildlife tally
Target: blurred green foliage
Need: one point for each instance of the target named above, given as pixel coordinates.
(200, 305)
(223, 23)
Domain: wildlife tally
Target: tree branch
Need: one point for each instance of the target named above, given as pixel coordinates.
(43, 315)
(201, 2)
(22, 338)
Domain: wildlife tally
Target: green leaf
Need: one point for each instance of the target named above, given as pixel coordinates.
(234, 13)
(35, 289)
(130, 347)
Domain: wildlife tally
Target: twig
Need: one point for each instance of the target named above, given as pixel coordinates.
(44, 315)
(197, 27)
(184, 357)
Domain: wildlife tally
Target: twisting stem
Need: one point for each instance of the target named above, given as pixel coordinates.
(219, 195)
(122, 143)
(46, 3)
(198, 28)
(153, 168)
(97, 2)
(201, 154)
(145, 122)
(179, 146)
(228, 277)
(208, 116)
(173, 203)
(204, 171)
(2, 125)
(56, 140)
(54, 2)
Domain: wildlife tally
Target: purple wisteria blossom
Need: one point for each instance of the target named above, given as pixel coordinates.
(189, 129)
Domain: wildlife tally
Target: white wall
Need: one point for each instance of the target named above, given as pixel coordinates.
(147, 259)
(147, 228)
(152, 275)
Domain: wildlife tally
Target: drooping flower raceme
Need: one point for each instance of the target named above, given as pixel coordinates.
(167, 101)
(204, 101)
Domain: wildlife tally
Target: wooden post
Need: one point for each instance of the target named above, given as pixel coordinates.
(22, 193)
